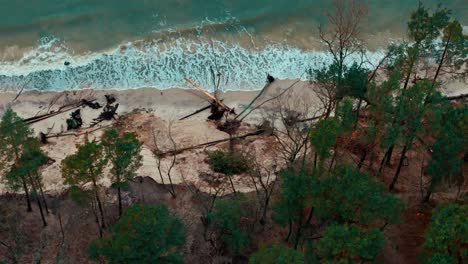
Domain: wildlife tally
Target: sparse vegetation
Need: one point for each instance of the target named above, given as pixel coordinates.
(229, 163)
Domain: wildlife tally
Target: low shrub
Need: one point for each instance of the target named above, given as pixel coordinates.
(228, 163)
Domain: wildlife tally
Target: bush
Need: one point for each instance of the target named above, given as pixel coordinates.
(144, 234)
(447, 235)
(277, 254)
(227, 218)
(228, 163)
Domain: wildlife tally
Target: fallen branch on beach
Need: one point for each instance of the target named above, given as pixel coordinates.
(272, 98)
(457, 97)
(61, 110)
(75, 134)
(253, 100)
(219, 102)
(20, 91)
(212, 143)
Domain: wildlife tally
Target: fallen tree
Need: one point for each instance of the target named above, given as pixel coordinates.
(212, 143)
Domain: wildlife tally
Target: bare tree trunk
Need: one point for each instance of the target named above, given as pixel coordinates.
(232, 184)
(289, 229)
(28, 199)
(315, 160)
(119, 195)
(386, 158)
(44, 222)
(357, 113)
(43, 199)
(96, 219)
(363, 158)
(400, 164)
(428, 195)
(98, 200)
(441, 61)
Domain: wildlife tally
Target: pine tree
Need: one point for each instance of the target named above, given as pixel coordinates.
(294, 200)
(123, 152)
(14, 134)
(86, 166)
(227, 217)
(144, 234)
(277, 254)
(349, 244)
(446, 237)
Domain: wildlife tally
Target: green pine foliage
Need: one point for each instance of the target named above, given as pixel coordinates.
(229, 163)
(85, 166)
(350, 196)
(144, 234)
(226, 218)
(349, 244)
(447, 235)
(277, 254)
(123, 153)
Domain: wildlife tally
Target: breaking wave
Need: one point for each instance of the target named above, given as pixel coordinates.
(160, 64)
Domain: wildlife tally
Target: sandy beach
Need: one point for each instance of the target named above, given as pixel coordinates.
(150, 112)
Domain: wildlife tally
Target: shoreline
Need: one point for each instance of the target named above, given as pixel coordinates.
(146, 110)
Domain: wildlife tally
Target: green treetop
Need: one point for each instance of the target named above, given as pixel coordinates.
(144, 234)
(277, 254)
(14, 134)
(349, 244)
(226, 217)
(447, 235)
(86, 166)
(350, 196)
(123, 152)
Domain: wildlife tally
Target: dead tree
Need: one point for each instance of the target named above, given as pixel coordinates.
(342, 40)
(291, 131)
(264, 179)
(159, 155)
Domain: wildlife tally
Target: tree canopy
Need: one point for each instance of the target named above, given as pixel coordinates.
(447, 235)
(144, 234)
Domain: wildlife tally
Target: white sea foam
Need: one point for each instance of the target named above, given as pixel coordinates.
(159, 64)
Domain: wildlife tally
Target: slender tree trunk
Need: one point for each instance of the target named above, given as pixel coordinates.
(289, 229)
(363, 158)
(43, 199)
(298, 236)
(232, 184)
(428, 195)
(357, 113)
(333, 158)
(96, 219)
(386, 158)
(389, 155)
(315, 160)
(265, 209)
(33, 186)
(311, 213)
(61, 226)
(441, 61)
(119, 195)
(98, 200)
(41, 211)
(408, 75)
(400, 164)
(28, 199)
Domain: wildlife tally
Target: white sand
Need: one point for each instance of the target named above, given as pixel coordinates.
(150, 109)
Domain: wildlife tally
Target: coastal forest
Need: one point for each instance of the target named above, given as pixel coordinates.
(372, 171)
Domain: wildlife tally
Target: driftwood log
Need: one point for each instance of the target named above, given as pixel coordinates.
(212, 143)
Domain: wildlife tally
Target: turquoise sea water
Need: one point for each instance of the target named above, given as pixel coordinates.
(155, 43)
